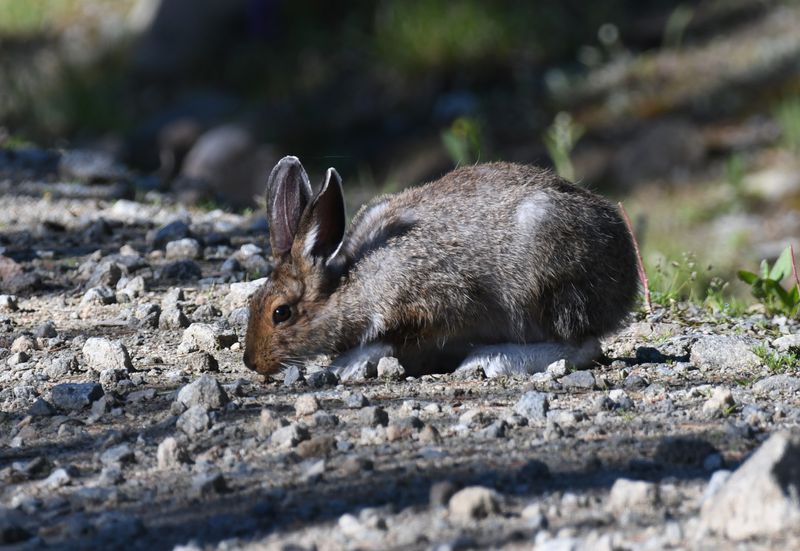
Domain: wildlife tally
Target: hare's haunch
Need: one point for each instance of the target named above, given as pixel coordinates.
(498, 264)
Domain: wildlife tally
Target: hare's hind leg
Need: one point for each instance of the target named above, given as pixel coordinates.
(525, 359)
(348, 364)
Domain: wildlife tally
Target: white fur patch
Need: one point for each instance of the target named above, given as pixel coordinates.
(311, 240)
(531, 212)
(377, 325)
(349, 364)
(527, 359)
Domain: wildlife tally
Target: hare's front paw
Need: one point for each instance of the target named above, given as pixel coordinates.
(515, 360)
(356, 363)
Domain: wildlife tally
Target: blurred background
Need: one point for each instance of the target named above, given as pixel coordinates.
(689, 112)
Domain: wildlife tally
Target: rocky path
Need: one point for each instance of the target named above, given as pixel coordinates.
(127, 419)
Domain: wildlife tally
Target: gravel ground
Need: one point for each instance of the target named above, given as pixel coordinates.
(128, 420)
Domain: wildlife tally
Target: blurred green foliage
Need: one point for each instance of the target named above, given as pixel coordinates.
(463, 141)
(560, 139)
(787, 115)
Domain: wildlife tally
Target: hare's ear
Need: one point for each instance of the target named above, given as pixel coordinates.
(288, 194)
(323, 225)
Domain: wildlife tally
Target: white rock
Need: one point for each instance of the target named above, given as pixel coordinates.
(207, 337)
(101, 354)
(761, 497)
(720, 403)
(390, 368)
(632, 495)
(184, 248)
(474, 502)
(239, 294)
(306, 404)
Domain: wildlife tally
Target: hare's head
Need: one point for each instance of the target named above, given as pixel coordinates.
(288, 314)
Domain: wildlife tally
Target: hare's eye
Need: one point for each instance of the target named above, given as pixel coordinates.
(281, 313)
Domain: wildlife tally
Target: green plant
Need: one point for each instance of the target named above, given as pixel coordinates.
(560, 139)
(463, 141)
(734, 172)
(775, 361)
(787, 115)
(718, 298)
(674, 281)
(677, 23)
(766, 285)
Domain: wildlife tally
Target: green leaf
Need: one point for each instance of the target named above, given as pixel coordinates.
(782, 266)
(748, 277)
(764, 269)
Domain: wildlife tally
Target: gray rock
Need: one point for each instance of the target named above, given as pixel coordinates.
(786, 343)
(720, 402)
(239, 317)
(289, 436)
(239, 294)
(373, 416)
(204, 391)
(75, 396)
(292, 376)
(99, 295)
(209, 483)
(355, 400)
(634, 382)
(41, 408)
(390, 368)
(230, 266)
(558, 369)
(172, 317)
(206, 312)
(778, 383)
(321, 378)
(362, 370)
(207, 337)
(147, 315)
(181, 270)
(306, 404)
(194, 420)
(473, 503)
(58, 478)
(101, 354)
(171, 453)
(184, 248)
(533, 406)
(203, 362)
(18, 358)
(760, 497)
(34, 468)
(632, 496)
(118, 455)
(323, 419)
(578, 380)
(724, 352)
(46, 330)
(106, 274)
(171, 232)
(61, 366)
(620, 399)
(269, 422)
(110, 377)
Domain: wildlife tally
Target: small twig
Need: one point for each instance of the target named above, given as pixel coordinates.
(639, 263)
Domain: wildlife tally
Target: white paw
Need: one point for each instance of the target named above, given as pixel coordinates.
(356, 363)
(514, 360)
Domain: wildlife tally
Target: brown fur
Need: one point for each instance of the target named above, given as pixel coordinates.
(488, 254)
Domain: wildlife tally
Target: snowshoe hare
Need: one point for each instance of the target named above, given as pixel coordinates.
(497, 265)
